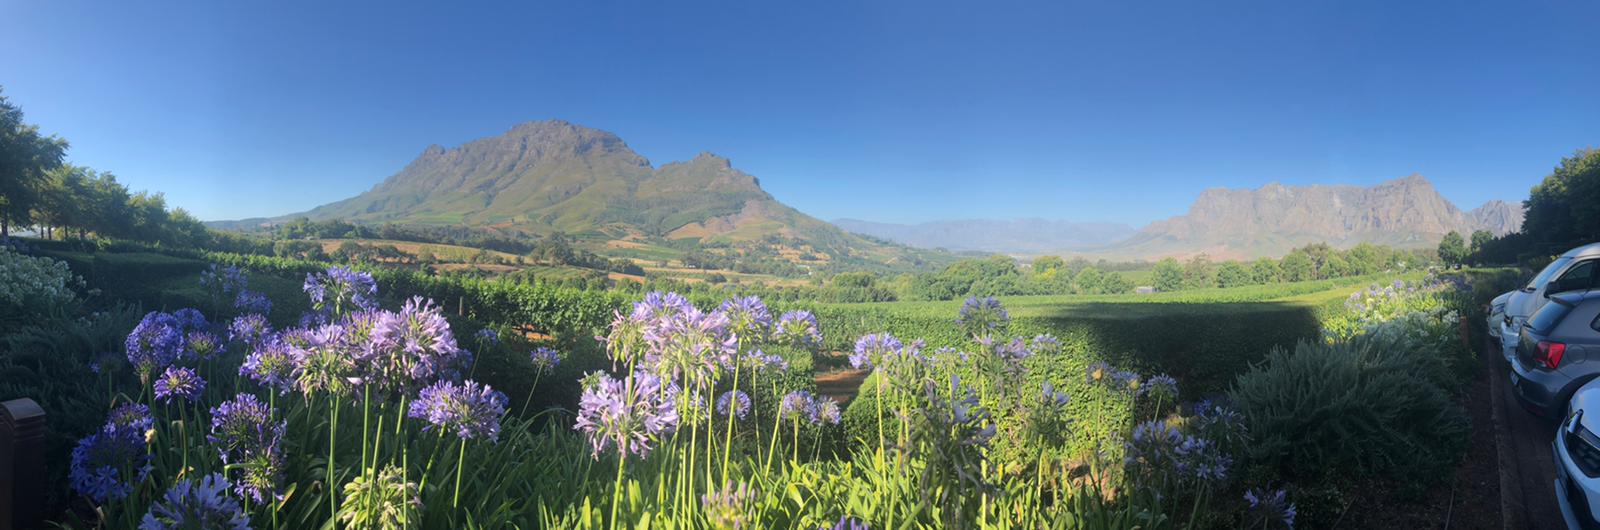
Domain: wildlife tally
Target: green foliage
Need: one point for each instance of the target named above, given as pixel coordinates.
(1169, 275)
(1561, 208)
(25, 158)
(1452, 249)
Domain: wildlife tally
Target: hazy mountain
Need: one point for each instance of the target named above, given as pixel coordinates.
(552, 175)
(1267, 221)
(1016, 236)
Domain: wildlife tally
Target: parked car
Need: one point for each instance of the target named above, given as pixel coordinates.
(1558, 351)
(1576, 450)
(1574, 270)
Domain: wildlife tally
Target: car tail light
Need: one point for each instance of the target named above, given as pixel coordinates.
(1550, 353)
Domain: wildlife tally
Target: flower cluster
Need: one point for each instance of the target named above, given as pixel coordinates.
(468, 409)
(1269, 510)
(487, 336)
(155, 343)
(341, 289)
(249, 328)
(798, 328)
(252, 302)
(411, 347)
(272, 365)
(982, 316)
(545, 358)
(873, 349)
(107, 464)
(1160, 450)
(179, 383)
(250, 443)
(737, 399)
(191, 504)
(728, 508)
(628, 414)
(224, 280)
(202, 346)
(803, 405)
(748, 318)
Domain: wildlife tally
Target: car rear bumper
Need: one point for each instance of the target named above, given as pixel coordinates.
(1542, 391)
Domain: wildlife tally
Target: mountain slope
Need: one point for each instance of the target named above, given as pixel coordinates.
(1014, 236)
(546, 176)
(1271, 220)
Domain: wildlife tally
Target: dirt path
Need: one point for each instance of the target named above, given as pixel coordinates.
(1527, 468)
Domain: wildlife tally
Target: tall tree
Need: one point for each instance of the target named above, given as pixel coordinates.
(1168, 275)
(1452, 249)
(25, 157)
(1562, 208)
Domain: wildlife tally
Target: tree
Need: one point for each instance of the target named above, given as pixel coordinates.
(1562, 208)
(1479, 239)
(1089, 281)
(1114, 283)
(1297, 267)
(1265, 270)
(25, 157)
(1232, 274)
(1168, 275)
(1199, 273)
(1452, 249)
(1047, 264)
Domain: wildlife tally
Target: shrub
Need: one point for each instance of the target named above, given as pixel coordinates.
(34, 287)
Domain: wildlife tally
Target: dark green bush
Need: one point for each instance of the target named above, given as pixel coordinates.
(1320, 410)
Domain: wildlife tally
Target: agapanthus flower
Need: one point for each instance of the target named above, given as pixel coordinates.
(412, 348)
(468, 409)
(252, 302)
(798, 328)
(739, 400)
(1269, 510)
(799, 404)
(727, 508)
(326, 360)
(271, 364)
(690, 345)
(1161, 386)
(1046, 344)
(748, 318)
(828, 412)
(249, 328)
(1129, 382)
(969, 421)
(223, 279)
(384, 500)
(766, 362)
(190, 319)
(132, 416)
(1153, 448)
(179, 383)
(190, 504)
(658, 305)
(341, 289)
(1051, 396)
(1201, 460)
(628, 414)
(107, 464)
(202, 346)
(1099, 372)
(155, 343)
(1013, 352)
(545, 358)
(871, 350)
(982, 316)
(250, 443)
(488, 336)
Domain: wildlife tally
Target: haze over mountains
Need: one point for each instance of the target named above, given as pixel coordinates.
(547, 176)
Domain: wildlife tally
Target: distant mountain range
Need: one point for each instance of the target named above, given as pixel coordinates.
(1016, 236)
(546, 176)
(1272, 219)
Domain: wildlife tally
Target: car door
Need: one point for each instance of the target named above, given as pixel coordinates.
(1580, 276)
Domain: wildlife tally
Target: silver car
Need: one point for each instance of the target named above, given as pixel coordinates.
(1573, 270)
(1577, 454)
(1558, 351)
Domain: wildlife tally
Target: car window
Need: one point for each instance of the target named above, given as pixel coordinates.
(1548, 316)
(1580, 276)
(1549, 270)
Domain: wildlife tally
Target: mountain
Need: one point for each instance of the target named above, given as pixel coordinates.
(1015, 236)
(1272, 219)
(547, 176)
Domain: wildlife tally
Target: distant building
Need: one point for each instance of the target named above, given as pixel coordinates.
(1144, 289)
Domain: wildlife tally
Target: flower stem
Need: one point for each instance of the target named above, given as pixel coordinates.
(461, 458)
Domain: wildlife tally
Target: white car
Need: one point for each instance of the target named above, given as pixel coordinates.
(1577, 455)
(1573, 270)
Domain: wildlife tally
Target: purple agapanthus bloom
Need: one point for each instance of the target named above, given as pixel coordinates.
(1129, 382)
(728, 508)
(799, 404)
(234, 423)
(1051, 396)
(1201, 460)
(131, 416)
(107, 464)
(327, 358)
(1046, 344)
(202, 346)
(828, 412)
(251, 443)
(488, 336)
(411, 348)
(1153, 446)
(271, 365)
(1161, 386)
(223, 279)
(179, 383)
(748, 318)
(981, 316)
(1099, 372)
(799, 328)
(659, 305)
(155, 343)
(871, 350)
(765, 362)
(628, 414)
(190, 319)
(252, 302)
(191, 504)
(545, 358)
(468, 409)
(739, 400)
(690, 346)
(341, 289)
(1269, 509)
(249, 328)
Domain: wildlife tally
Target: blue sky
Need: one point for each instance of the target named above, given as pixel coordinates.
(1118, 111)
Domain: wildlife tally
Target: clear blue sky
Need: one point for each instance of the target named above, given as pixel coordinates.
(1119, 111)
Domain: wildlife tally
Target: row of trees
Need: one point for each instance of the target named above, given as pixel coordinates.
(1562, 211)
(39, 190)
(1311, 262)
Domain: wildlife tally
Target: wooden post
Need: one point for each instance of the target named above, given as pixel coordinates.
(22, 479)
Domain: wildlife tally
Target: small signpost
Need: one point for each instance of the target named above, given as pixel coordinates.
(22, 477)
